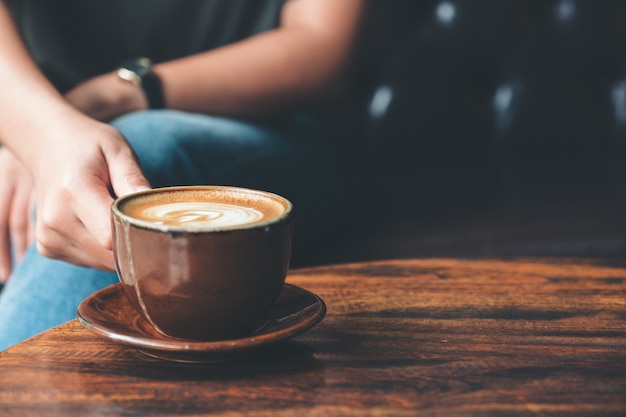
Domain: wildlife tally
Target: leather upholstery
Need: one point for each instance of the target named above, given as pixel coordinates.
(497, 126)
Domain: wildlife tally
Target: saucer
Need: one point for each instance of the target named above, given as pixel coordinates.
(109, 314)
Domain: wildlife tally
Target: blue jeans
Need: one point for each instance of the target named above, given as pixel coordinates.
(175, 148)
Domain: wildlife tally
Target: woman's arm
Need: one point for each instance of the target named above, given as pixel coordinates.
(73, 159)
(305, 60)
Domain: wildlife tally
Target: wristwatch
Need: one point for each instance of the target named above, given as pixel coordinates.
(139, 72)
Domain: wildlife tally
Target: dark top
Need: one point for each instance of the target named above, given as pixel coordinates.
(73, 40)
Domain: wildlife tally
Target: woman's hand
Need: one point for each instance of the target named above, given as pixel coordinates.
(77, 176)
(76, 163)
(16, 211)
(106, 97)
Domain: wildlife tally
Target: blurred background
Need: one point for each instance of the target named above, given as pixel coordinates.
(485, 128)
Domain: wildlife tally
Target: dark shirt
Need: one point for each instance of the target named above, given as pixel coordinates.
(73, 40)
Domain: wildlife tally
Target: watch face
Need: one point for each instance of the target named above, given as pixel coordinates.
(134, 70)
(140, 66)
(139, 72)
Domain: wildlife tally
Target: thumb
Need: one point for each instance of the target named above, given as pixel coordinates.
(126, 175)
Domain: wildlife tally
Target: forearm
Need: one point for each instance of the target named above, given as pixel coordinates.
(29, 104)
(306, 60)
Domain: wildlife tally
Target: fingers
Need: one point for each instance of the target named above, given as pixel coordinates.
(74, 181)
(126, 175)
(94, 213)
(30, 233)
(5, 238)
(81, 249)
(16, 201)
(6, 194)
(74, 220)
(73, 225)
(104, 97)
(21, 223)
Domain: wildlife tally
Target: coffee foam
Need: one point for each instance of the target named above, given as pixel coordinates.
(203, 208)
(200, 214)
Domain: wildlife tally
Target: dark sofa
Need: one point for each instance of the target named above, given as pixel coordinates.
(486, 128)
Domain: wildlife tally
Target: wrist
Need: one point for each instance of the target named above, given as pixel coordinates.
(138, 73)
(127, 96)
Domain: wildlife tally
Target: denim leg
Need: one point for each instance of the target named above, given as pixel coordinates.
(43, 293)
(176, 148)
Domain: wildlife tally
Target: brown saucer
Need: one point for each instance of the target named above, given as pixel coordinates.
(109, 314)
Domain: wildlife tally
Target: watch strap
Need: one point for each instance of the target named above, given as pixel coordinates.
(153, 89)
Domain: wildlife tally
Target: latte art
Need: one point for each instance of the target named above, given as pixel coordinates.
(202, 209)
(201, 214)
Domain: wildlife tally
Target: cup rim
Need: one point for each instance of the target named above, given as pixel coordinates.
(117, 213)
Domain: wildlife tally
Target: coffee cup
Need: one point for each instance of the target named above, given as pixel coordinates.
(202, 262)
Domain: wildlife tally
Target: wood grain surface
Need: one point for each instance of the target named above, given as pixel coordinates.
(436, 337)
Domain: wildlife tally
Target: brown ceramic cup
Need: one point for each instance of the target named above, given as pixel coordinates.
(202, 262)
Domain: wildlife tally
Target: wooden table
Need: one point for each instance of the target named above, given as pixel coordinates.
(414, 337)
